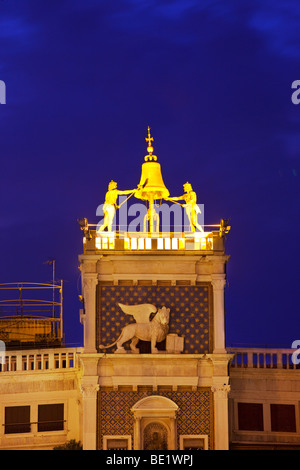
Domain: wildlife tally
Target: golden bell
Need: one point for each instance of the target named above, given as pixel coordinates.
(151, 184)
(150, 188)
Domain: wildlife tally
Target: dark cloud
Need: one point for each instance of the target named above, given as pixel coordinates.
(278, 22)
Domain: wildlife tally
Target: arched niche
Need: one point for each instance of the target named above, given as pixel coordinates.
(155, 423)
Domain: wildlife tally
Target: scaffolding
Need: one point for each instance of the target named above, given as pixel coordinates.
(31, 313)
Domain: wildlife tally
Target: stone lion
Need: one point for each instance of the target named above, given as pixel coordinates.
(144, 329)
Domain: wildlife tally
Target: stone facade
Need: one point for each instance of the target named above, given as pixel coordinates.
(194, 415)
(31, 379)
(192, 393)
(263, 398)
(191, 284)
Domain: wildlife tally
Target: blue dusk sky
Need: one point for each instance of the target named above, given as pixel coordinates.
(213, 80)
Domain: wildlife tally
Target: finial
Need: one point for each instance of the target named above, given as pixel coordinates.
(149, 139)
(149, 148)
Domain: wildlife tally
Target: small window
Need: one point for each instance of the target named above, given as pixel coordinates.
(17, 419)
(116, 442)
(51, 417)
(193, 442)
(250, 416)
(283, 418)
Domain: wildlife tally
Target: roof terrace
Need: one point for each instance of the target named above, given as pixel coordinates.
(132, 242)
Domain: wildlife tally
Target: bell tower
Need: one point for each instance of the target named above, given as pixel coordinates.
(155, 366)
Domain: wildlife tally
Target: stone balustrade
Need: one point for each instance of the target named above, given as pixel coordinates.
(139, 241)
(39, 359)
(264, 358)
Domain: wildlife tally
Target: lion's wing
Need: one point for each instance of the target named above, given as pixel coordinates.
(141, 312)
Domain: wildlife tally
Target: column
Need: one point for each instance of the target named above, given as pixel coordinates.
(89, 391)
(173, 432)
(34, 419)
(221, 416)
(137, 433)
(90, 282)
(218, 284)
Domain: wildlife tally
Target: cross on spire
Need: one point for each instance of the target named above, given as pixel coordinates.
(149, 139)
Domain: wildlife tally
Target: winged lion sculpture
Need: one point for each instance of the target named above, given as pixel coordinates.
(144, 329)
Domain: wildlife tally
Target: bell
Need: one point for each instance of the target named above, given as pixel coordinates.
(151, 184)
(151, 187)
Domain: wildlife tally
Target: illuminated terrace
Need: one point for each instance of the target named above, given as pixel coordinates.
(133, 242)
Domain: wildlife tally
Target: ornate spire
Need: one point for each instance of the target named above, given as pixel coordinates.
(150, 149)
(149, 139)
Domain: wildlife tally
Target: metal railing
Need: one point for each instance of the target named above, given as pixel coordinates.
(31, 311)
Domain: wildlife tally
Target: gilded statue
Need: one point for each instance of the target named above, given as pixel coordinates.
(144, 329)
(110, 205)
(191, 208)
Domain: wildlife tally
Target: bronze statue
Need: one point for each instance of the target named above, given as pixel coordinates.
(110, 205)
(191, 207)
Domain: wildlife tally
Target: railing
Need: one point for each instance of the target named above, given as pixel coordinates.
(135, 242)
(31, 311)
(264, 358)
(37, 360)
(163, 243)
